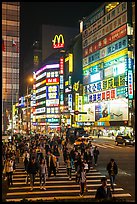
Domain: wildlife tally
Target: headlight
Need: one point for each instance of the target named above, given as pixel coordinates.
(127, 140)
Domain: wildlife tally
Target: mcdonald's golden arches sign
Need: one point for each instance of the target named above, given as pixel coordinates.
(58, 41)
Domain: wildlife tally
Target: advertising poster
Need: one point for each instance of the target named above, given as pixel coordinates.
(102, 111)
(90, 109)
(119, 109)
(114, 110)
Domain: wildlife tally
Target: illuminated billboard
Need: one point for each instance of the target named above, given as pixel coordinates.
(49, 66)
(58, 41)
(114, 110)
(52, 102)
(90, 109)
(50, 81)
(52, 92)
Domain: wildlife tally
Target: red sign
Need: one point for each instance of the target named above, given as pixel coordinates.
(52, 81)
(61, 65)
(76, 112)
(112, 37)
(58, 41)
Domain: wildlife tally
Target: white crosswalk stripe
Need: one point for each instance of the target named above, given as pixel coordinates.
(106, 146)
(58, 188)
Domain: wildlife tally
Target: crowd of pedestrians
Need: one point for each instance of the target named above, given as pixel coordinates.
(41, 157)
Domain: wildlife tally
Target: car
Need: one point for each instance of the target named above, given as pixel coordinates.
(124, 139)
(79, 141)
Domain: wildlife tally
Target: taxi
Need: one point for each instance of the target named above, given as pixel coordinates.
(91, 138)
(79, 141)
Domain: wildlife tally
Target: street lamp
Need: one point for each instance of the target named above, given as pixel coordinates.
(30, 80)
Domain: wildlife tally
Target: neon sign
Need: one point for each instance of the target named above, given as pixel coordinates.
(58, 41)
(52, 81)
(130, 84)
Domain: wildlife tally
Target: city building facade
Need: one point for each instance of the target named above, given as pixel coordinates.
(107, 43)
(10, 61)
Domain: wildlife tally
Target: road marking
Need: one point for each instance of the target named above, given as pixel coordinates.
(53, 191)
(62, 186)
(62, 177)
(120, 171)
(105, 145)
(64, 197)
(58, 175)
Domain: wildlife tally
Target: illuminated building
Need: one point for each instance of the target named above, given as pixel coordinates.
(48, 93)
(73, 83)
(37, 55)
(10, 60)
(108, 66)
(48, 34)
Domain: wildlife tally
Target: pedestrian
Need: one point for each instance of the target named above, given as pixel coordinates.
(57, 154)
(103, 191)
(112, 169)
(98, 134)
(43, 172)
(95, 153)
(83, 184)
(68, 166)
(8, 170)
(32, 170)
(51, 163)
(26, 157)
(90, 156)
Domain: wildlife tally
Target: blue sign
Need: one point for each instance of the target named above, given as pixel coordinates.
(52, 92)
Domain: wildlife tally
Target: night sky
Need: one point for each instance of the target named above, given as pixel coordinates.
(34, 14)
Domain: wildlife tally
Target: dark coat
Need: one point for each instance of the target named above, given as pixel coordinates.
(102, 194)
(32, 168)
(115, 168)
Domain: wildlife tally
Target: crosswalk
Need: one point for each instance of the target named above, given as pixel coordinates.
(57, 188)
(112, 146)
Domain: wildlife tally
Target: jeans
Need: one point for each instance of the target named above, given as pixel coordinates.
(69, 172)
(82, 185)
(9, 178)
(42, 179)
(32, 179)
(50, 169)
(112, 180)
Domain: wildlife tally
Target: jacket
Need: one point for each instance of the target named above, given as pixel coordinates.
(115, 168)
(102, 194)
(8, 166)
(32, 168)
(53, 158)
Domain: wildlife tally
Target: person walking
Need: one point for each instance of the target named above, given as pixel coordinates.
(57, 154)
(43, 172)
(8, 170)
(32, 171)
(103, 191)
(95, 153)
(51, 163)
(112, 169)
(83, 184)
(68, 166)
(26, 157)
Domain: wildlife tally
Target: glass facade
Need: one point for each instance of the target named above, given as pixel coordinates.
(10, 59)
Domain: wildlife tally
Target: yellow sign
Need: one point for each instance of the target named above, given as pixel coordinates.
(58, 41)
(76, 86)
(106, 59)
(70, 59)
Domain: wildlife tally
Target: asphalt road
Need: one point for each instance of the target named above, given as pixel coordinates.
(125, 158)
